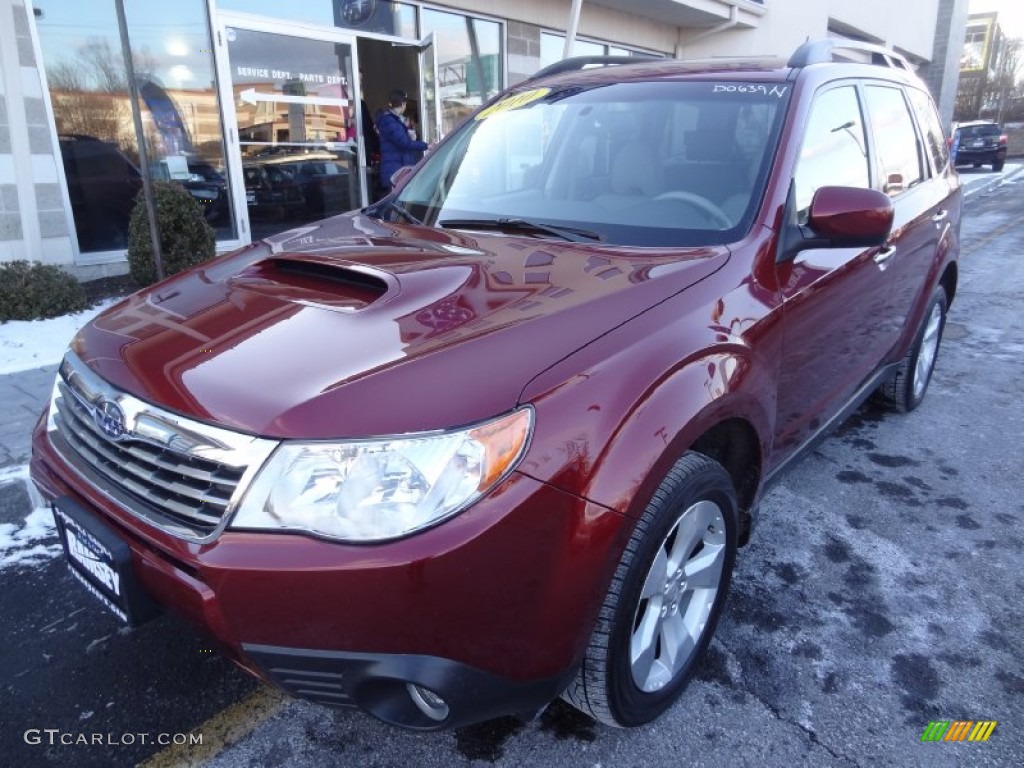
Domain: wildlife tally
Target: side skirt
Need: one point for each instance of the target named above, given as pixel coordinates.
(855, 402)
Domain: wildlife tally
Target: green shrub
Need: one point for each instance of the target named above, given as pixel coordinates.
(34, 291)
(185, 237)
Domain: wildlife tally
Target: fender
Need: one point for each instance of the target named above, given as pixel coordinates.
(618, 461)
(948, 252)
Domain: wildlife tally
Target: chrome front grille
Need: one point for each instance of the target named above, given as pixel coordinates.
(183, 476)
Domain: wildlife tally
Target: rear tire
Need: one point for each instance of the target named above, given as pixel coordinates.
(907, 388)
(997, 166)
(664, 600)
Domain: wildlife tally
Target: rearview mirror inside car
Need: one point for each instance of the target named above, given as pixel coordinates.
(400, 175)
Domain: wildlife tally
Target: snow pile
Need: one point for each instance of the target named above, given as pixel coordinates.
(26, 344)
(34, 542)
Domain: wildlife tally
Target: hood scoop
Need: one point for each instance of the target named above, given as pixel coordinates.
(318, 280)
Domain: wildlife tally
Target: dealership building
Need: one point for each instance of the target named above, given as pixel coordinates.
(258, 108)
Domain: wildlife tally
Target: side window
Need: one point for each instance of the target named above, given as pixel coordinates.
(834, 151)
(895, 139)
(928, 119)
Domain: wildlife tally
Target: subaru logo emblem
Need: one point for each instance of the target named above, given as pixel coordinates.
(110, 419)
(355, 13)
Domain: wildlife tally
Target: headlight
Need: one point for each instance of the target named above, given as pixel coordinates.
(373, 490)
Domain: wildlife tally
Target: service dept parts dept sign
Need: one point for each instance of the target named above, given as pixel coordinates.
(110, 419)
(357, 12)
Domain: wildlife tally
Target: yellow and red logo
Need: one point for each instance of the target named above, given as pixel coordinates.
(958, 730)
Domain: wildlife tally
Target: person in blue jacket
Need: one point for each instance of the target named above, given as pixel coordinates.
(397, 147)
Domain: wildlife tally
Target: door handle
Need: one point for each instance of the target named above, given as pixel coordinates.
(884, 255)
(940, 216)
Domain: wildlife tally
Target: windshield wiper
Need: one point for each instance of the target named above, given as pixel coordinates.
(391, 205)
(522, 225)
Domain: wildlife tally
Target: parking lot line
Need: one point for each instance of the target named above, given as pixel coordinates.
(227, 727)
(977, 245)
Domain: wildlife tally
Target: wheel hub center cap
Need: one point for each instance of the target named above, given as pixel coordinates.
(675, 586)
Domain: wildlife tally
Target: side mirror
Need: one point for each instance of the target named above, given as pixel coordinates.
(838, 217)
(400, 175)
(850, 217)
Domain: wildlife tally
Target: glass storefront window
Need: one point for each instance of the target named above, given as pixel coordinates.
(468, 62)
(180, 109)
(88, 87)
(89, 92)
(552, 45)
(382, 17)
(296, 127)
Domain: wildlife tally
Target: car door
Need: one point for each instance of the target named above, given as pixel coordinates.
(923, 196)
(836, 320)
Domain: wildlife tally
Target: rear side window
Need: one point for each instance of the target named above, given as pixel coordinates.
(834, 150)
(895, 139)
(928, 119)
(979, 131)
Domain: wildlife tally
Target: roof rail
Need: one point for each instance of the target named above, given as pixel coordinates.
(579, 62)
(820, 51)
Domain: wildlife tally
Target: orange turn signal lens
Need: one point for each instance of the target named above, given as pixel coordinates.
(504, 441)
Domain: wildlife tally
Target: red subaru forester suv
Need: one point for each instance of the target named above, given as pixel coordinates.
(497, 438)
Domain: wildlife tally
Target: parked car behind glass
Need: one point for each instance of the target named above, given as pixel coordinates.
(271, 190)
(324, 184)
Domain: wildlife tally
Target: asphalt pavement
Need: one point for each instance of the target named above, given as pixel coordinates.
(881, 591)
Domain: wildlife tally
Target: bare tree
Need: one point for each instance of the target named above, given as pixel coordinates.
(1003, 86)
(90, 93)
(104, 66)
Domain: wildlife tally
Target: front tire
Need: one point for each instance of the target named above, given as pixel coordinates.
(664, 600)
(907, 388)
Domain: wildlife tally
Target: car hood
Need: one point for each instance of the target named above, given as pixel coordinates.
(356, 327)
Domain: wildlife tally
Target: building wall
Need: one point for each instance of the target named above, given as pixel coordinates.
(596, 21)
(942, 72)
(786, 25)
(33, 212)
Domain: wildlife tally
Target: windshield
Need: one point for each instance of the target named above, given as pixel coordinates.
(646, 164)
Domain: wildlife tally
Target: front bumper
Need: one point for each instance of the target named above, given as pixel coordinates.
(380, 684)
(491, 610)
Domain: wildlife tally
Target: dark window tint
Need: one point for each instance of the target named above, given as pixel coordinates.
(100, 159)
(979, 131)
(834, 151)
(895, 139)
(928, 119)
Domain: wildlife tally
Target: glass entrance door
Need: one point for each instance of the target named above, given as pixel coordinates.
(295, 106)
(428, 89)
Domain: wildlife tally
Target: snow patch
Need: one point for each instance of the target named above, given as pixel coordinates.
(35, 541)
(27, 344)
